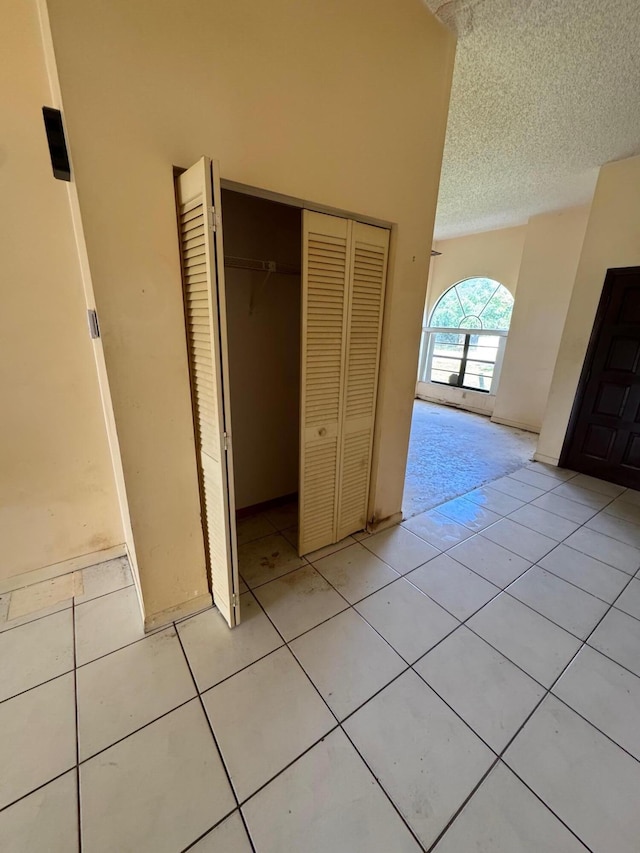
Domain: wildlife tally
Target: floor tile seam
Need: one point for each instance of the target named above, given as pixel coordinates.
(146, 636)
(557, 542)
(477, 610)
(495, 752)
(548, 618)
(295, 657)
(477, 573)
(101, 595)
(510, 550)
(540, 473)
(461, 807)
(531, 790)
(504, 655)
(397, 571)
(594, 726)
(613, 660)
(549, 512)
(199, 699)
(584, 553)
(39, 684)
(571, 583)
(594, 491)
(333, 587)
(202, 690)
(36, 618)
(71, 768)
(305, 564)
(564, 497)
(433, 600)
(137, 730)
(461, 523)
(64, 574)
(615, 538)
(621, 517)
(395, 807)
(631, 615)
(77, 726)
(193, 843)
(243, 802)
(549, 689)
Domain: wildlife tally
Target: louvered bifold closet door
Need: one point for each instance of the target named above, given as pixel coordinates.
(368, 255)
(200, 234)
(325, 269)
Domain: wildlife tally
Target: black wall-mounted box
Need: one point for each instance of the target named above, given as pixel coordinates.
(57, 144)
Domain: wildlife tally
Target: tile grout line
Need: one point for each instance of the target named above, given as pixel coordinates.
(611, 605)
(548, 691)
(410, 667)
(215, 739)
(77, 725)
(338, 721)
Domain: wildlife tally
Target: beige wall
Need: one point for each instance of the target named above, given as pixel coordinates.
(57, 492)
(552, 246)
(272, 90)
(612, 240)
(264, 347)
(489, 254)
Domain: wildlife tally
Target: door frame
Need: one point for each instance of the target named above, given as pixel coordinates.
(585, 373)
(305, 204)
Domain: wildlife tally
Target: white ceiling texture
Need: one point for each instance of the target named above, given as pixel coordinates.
(544, 92)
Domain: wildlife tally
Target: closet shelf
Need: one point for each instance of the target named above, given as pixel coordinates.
(274, 267)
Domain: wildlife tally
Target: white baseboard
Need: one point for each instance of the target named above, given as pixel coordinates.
(549, 460)
(172, 614)
(516, 424)
(383, 523)
(63, 568)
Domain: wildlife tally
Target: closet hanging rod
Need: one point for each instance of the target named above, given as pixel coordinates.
(261, 266)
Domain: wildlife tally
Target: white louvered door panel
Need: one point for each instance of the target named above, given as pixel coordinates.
(325, 269)
(200, 235)
(368, 256)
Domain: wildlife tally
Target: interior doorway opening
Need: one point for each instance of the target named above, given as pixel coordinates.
(452, 452)
(309, 357)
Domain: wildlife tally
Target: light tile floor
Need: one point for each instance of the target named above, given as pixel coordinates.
(468, 680)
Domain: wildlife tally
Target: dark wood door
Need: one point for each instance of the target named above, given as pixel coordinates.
(604, 432)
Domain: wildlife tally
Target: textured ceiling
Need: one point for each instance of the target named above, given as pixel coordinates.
(544, 92)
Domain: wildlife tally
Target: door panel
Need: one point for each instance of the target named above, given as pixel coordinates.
(369, 250)
(200, 234)
(343, 286)
(325, 271)
(604, 434)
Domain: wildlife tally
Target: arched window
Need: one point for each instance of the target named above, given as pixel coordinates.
(467, 359)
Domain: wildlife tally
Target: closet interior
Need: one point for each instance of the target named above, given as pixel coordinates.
(262, 264)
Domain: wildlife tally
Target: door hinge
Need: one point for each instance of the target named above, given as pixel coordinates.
(214, 219)
(94, 327)
(235, 600)
(227, 440)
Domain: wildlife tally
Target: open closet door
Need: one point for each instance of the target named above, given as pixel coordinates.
(325, 273)
(368, 273)
(200, 234)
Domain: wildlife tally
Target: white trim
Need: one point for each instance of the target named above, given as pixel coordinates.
(516, 425)
(304, 204)
(548, 460)
(74, 564)
(180, 611)
(426, 356)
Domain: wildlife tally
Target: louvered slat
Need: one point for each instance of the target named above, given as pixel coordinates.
(204, 315)
(324, 284)
(369, 249)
